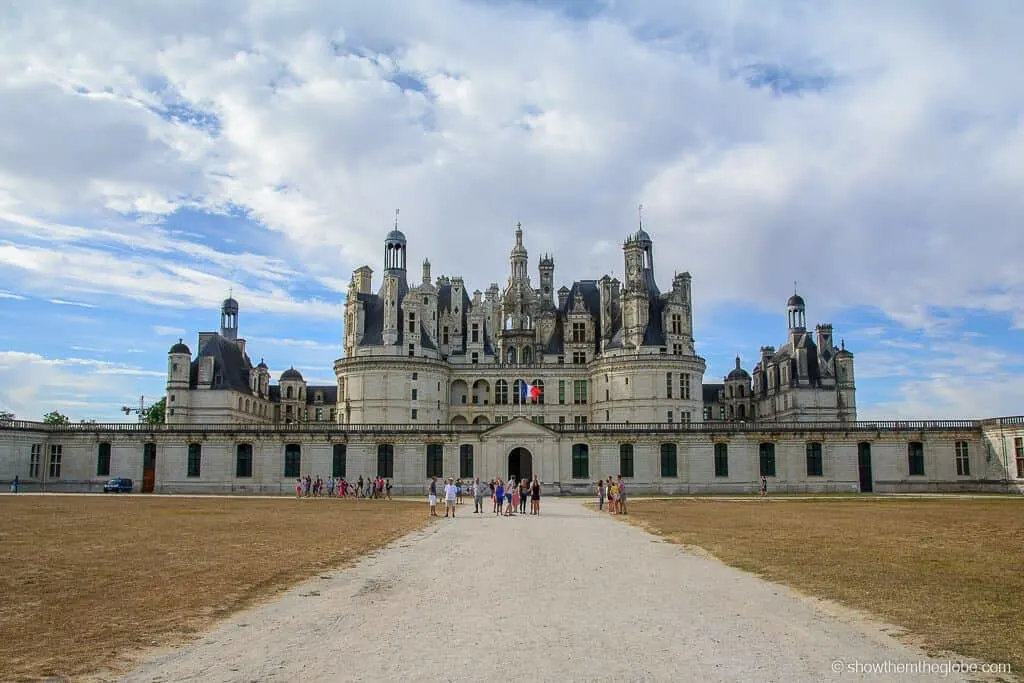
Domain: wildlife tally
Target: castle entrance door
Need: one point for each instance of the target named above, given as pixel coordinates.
(520, 464)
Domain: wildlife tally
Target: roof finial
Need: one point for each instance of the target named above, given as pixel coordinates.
(842, 344)
(640, 215)
(794, 286)
(396, 218)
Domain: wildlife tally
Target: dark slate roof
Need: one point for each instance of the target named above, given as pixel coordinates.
(710, 392)
(330, 394)
(291, 373)
(373, 323)
(274, 392)
(557, 344)
(795, 300)
(425, 340)
(180, 347)
(229, 364)
(654, 335)
(738, 374)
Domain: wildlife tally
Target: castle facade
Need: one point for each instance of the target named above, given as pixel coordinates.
(594, 379)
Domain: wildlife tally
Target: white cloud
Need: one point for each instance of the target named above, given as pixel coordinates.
(168, 331)
(896, 185)
(79, 304)
(11, 295)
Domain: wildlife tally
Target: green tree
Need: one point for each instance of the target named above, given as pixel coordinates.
(157, 412)
(55, 418)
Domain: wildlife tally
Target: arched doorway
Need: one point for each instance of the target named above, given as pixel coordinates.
(520, 463)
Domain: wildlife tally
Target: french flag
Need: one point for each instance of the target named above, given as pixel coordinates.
(529, 391)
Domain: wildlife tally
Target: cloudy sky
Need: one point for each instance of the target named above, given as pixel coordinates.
(155, 154)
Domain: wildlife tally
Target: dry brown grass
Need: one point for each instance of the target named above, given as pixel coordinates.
(950, 572)
(88, 581)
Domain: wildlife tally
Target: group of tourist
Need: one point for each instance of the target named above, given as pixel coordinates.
(506, 497)
(615, 492)
(338, 487)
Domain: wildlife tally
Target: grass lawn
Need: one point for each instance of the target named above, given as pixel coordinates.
(950, 572)
(90, 580)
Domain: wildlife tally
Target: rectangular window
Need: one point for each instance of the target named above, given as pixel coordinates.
(412, 322)
(669, 461)
(579, 419)
(500, 419)
(444, 335)
(386, 461)
(415, 413)
(580, 461)
(677, 323)
(721, 413)
(579, 391)
(668, 385)
(670, 416)
(561, 419)
(319, 414)
(195, 459)
(466, 461)
(56, 456)
(475, 333)
(915, 458)
(721, 460)
(814, 464)
(684, 416)
(579, 357)
(963, 460)
(103, 460)
(537, 419)
(684, 386)
(561, 391)
(475, 358)
(412, 350)
(339, 460)
(435, 460)
(243, 460)
(579, 333)
(415, 376)
(767, 458)
(292, 460)
(626, 459)
(415, 394)
(34, 459)
(677, 349)
(1018, 447)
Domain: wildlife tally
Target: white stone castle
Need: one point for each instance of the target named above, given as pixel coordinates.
(600, 351)
(433, 382)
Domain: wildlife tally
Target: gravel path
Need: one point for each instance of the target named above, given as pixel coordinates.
(571, 595)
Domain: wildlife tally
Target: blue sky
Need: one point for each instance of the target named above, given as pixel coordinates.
(154, 157)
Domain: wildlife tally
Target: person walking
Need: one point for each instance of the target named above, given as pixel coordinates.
(451, 493)
(600, 495)
(524, 495)
(479, 489)
(432, 496)
(499, 497)
(622, 495)
(764, 486)
(535, 496)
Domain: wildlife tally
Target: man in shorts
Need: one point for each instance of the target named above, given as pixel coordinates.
(432, 497)
(451, 491)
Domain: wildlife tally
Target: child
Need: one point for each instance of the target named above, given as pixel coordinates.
(511, 509)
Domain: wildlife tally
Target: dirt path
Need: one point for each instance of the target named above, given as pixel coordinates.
(569, 595)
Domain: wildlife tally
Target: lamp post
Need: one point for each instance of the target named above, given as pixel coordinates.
(142, 411)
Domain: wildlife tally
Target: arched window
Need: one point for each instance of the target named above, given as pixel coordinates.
(626, 459)
(742, 411)
(580, 461)
(288, 392)
(527, 354)
(730, 392)
(247, 406)
(338, 462)
(669, 468)
(510, 355)
(435, 460)
(501, 392)
(517, 390)
(239, 402)
(539, 383)
(292, 460)
(386, 460)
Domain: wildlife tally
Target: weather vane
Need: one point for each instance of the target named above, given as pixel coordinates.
(396, 218)
(640, 215)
